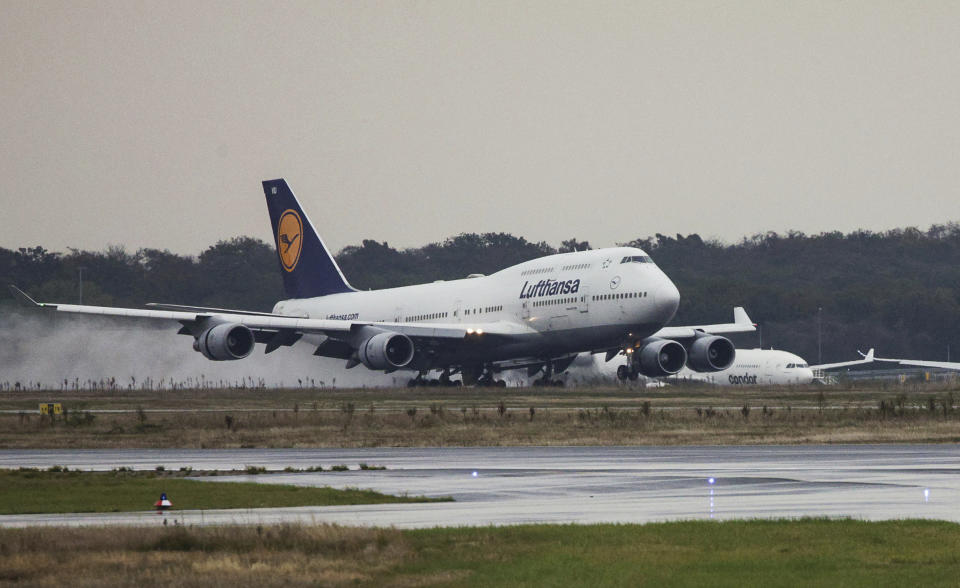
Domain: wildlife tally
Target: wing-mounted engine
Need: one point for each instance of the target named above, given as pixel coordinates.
(386, 351)
(711, 353)
(659, 357)
(225, 342)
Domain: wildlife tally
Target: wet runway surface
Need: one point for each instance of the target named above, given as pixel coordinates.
(508, 485)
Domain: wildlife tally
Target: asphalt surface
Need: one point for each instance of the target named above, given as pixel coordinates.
(509, 485)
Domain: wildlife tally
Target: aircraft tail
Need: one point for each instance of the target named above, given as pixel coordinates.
(308, 268)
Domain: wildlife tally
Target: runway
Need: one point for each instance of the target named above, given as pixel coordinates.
(510, 485)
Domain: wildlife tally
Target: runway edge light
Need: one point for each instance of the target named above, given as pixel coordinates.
(163, 503)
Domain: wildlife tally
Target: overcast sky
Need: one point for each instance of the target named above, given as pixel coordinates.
(152, 124)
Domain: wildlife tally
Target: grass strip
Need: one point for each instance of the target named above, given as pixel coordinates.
(37, 492)
(808, 552)
(695, 553)
(476, 417)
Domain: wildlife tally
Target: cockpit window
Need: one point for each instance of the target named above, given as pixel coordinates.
(636, 259)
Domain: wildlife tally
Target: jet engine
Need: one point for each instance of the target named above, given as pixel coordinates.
(661, 357)
(386, 351)
(711, 353)
(225, 342)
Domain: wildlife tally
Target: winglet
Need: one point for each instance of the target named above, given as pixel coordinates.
(23, 297)
(868, 356)
(740, 316)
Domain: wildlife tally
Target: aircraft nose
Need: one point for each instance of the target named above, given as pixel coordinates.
(666, 298)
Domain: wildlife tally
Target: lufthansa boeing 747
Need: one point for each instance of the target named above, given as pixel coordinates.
(537, 315)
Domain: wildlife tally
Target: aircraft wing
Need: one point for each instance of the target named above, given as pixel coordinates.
(741, 324)
(277, 330)
(867, 358)
(944, 365)
(207, 309)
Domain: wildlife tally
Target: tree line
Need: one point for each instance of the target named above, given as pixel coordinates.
(898, 291)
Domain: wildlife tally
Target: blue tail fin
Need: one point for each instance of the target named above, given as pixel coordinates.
(308, 268)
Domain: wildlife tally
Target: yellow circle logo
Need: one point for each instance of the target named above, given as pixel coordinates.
(289, 239)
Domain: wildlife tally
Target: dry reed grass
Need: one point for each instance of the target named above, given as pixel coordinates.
(483, 417)
(447, 425)
(281, 555)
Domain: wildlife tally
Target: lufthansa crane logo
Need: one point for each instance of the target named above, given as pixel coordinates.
(289, 239)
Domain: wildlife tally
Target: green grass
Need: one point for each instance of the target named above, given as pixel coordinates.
(758, 553)
(25, 492)
(809, 552)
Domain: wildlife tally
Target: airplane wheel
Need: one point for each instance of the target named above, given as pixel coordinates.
(633, 376)
(412, 383)
(457, 383)
(559, 383)
(501, 383)
(622, 373)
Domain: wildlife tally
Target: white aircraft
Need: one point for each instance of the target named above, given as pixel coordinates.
(761, 367)
(536, 315)
(752, 367)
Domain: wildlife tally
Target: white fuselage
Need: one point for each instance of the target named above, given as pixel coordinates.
(752, 367)
(756, 367)
(564, 303)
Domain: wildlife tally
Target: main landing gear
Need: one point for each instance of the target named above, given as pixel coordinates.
(626, 372)
(444, 380)
(481, 376)
(547, 380)
(487, 379)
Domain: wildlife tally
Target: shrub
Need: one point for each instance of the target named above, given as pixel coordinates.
(75, 419)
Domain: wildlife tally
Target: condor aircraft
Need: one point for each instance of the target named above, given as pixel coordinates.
(536, 315)
(752, 367)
